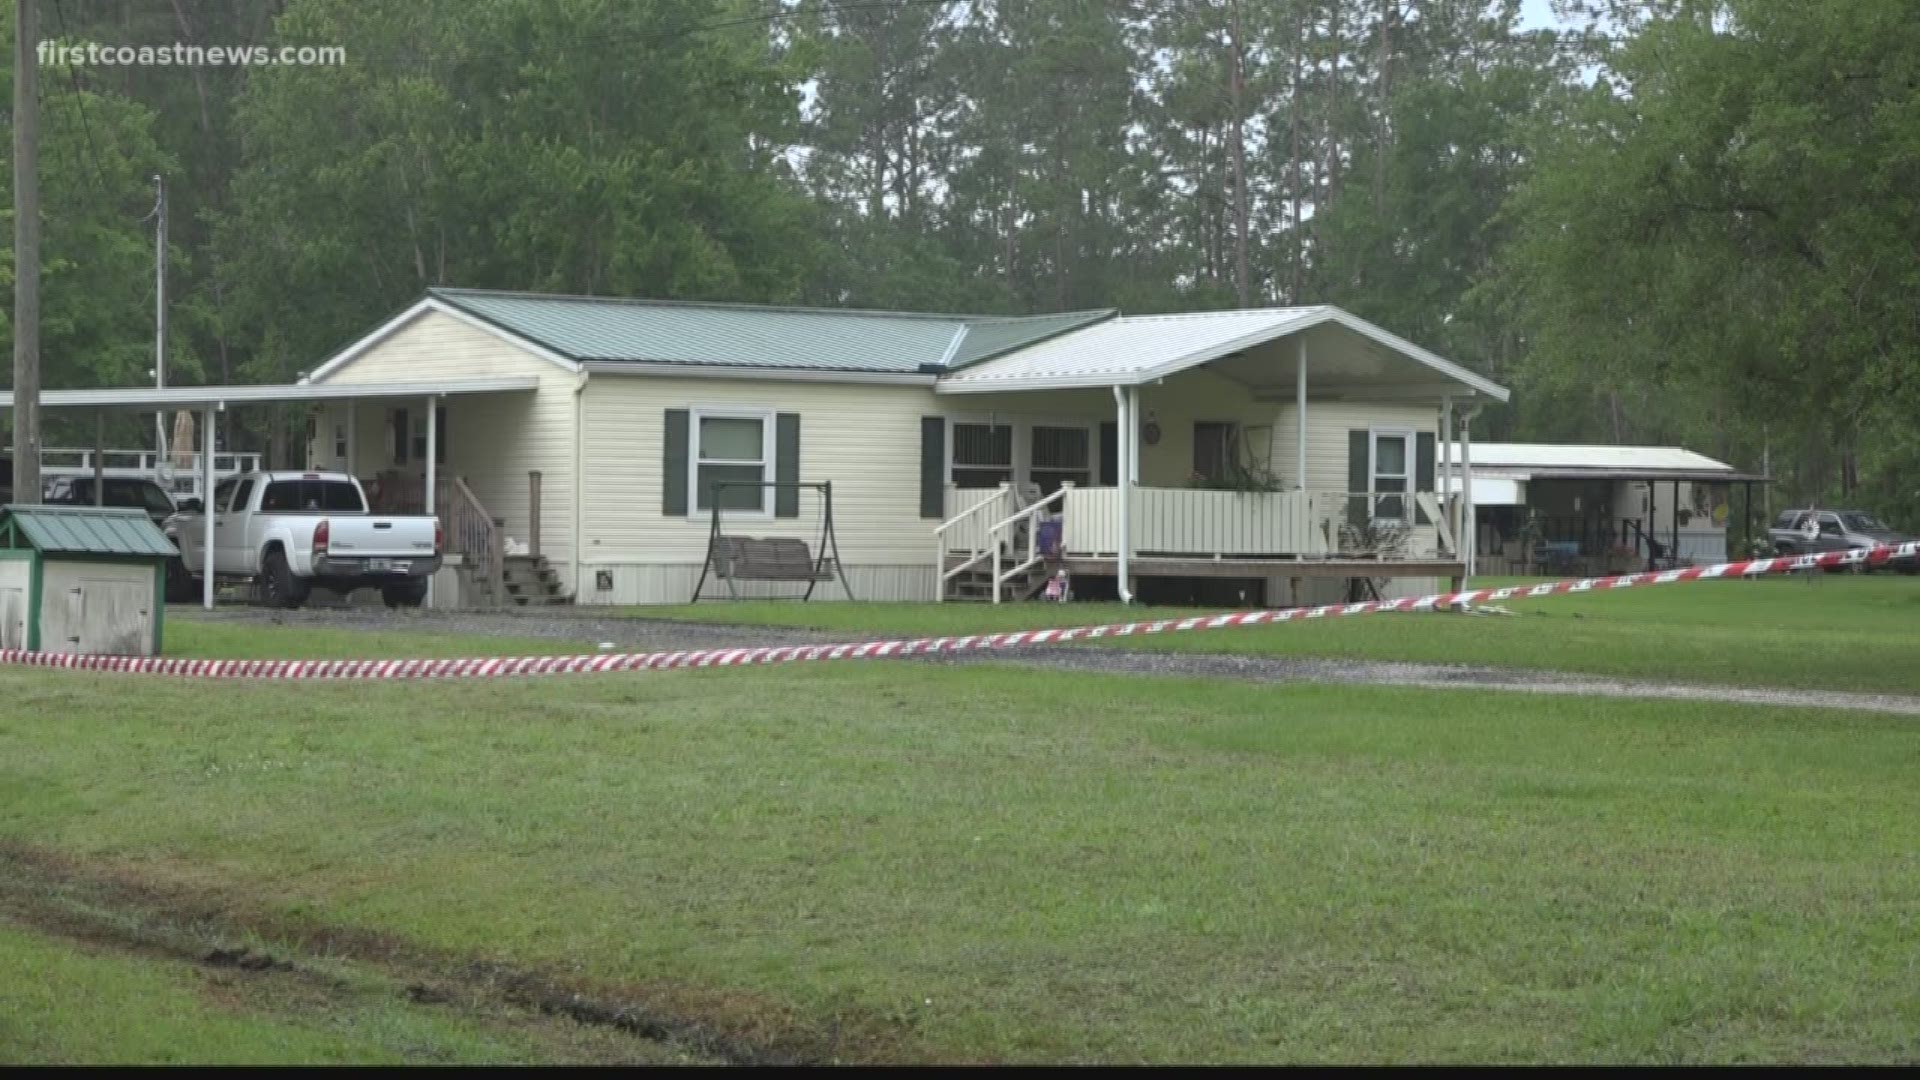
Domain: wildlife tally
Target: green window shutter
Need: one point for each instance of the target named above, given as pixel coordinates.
(786, 465)
(673, 467)
(933, 466)
(1422, 472)
(1359, 476)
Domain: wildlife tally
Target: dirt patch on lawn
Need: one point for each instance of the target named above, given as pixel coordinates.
(257, 960)
(661, 635)
(1435, 676)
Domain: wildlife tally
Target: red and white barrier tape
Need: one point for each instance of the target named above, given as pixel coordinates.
(496, 667)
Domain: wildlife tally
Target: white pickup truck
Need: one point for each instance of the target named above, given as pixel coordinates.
(290, 531)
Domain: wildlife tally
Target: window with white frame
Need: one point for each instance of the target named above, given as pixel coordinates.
(1390, 471)
(982, 454)
(732, 446)
(1061, 455)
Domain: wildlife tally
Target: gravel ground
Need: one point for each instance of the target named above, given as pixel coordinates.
(566, 624)
(649, 635)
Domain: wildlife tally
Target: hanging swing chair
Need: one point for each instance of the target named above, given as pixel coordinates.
(732, 558)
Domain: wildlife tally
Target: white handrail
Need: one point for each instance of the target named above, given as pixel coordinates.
(941, 528)
(1006, 525)
(941, 572)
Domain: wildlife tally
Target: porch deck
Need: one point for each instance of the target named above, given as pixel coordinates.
(1195, 533)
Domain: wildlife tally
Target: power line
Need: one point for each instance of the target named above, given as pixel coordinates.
(80, 103)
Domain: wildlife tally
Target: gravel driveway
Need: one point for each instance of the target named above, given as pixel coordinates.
(652, 635)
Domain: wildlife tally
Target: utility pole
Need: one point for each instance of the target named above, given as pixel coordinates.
(26, 252)
(1236, 91)
(160, 322)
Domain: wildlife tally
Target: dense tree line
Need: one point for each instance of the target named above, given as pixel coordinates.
(1670, 220)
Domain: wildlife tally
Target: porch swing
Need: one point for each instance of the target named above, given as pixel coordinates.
(733, 559)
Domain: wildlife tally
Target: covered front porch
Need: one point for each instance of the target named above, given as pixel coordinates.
(456, 457)
(1272, 446)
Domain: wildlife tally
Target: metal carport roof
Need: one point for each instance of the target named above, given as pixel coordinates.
(149, 398)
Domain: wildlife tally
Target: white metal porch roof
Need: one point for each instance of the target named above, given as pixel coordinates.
(1136, 349)
(1571, 461)
(149, 398)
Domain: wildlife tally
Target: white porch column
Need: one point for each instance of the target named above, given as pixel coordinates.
(1468, 543)
(207, 510)
(433, 465)
(100, 458)
(1123, 402)
(1445, 480)
(1300, 419)
(353, 437)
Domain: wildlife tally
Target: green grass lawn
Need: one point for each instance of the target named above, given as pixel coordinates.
(988, 863)
(83, 1005)
(1836, 631)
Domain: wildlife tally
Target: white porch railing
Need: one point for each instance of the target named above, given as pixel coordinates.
(992, 531)
(968, 533)
(1201, 522)
(1190, 522)
(179, 470)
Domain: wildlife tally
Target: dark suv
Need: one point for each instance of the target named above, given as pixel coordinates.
(117, 491)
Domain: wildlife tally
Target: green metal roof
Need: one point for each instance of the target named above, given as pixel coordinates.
(823, 339)
(90, 530)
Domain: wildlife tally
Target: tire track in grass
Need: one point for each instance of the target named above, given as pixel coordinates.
(113, 909)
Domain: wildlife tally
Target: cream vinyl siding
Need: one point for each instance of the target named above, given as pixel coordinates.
(863, 438)
(1328, 423)
(493, 440)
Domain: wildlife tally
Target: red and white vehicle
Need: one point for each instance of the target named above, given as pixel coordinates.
(290, 531)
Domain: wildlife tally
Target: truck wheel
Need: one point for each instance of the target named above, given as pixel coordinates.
(278, 587)
(409, 594)
(182, 587)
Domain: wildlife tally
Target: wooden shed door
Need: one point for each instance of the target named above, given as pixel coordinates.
(13, 618)
(98, 615)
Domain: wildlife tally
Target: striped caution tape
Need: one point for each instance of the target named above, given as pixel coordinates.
(501, 667)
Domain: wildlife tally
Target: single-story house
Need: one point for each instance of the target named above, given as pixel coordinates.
(1598, 508)
(1296, 449)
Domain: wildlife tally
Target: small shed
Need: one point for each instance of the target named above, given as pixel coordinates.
(82, 579)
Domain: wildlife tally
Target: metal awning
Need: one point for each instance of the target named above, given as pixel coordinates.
(149, 398)
(1347, 355)
(1564, 461)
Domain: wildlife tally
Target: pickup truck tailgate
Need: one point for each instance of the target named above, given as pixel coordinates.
(380, 537)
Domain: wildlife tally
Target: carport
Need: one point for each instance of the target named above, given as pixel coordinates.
(208, 401)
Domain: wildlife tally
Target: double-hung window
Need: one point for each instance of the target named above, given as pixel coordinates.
(736, 448)
(982, 454)
(1389, 471)
(1060, 455)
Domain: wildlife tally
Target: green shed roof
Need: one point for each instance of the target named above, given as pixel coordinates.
(89, 530)
(747, 335)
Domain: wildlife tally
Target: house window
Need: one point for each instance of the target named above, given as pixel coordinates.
(982, 455)
(1212, 451)
(1392, 462)
(732, 447)
(1061, 455)
(340, 441)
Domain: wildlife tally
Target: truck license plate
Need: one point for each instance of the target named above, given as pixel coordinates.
(379, 566)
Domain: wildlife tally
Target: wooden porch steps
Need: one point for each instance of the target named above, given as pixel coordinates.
(529, 581)
(976, 583)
